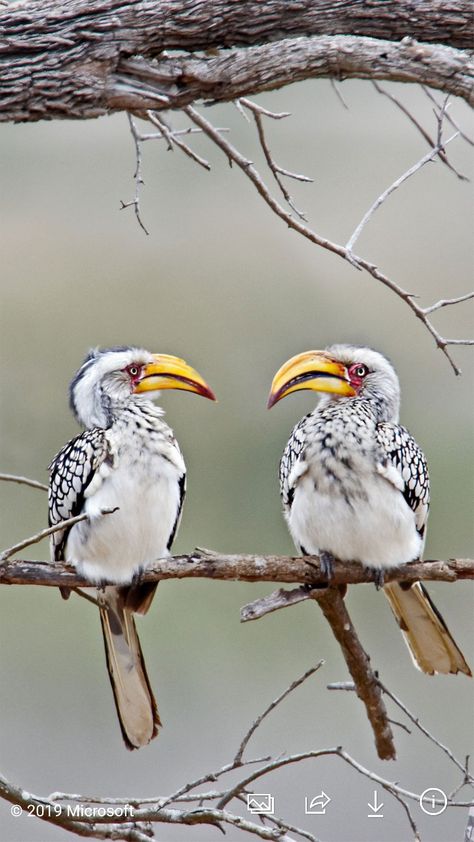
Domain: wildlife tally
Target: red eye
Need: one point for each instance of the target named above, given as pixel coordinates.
(133, 370)
(357, 372)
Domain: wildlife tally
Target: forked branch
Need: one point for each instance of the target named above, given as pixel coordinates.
(107, 817)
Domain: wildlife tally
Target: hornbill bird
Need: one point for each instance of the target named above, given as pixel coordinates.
(355, 485)
(126, 459)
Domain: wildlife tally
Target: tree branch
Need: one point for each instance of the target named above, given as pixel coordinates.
(249, 170)
(64, 59)
(238, 73)
(205, 564)
(332, 605)
(33, 483)
(50, 530)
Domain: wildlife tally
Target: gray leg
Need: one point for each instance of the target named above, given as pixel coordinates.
(327, 564)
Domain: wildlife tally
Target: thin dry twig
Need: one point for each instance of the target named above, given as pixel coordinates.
(275, 169)
(274, 601)
(146, 811)
(338, 93)
(420, 128)
(135, 203)
(271, 707)
(234, 156)
(44, 533)
(416, 721)
(449, 118)
(391, 189)
(447, 302)
(463, 767)
(32, 483)
(173, 138)
(256, 108)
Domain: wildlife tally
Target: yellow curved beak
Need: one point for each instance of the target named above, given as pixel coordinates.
(311, 370)
(168, 372)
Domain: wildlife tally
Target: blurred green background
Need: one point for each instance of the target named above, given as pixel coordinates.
(223, 283)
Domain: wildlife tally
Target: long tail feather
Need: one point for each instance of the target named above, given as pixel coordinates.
(136, 706)
(426, 634)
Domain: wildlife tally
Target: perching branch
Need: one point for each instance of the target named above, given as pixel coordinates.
(207, 564)
(204, 564)
(212, 808)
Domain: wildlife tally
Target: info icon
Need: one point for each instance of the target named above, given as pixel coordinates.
(433, 801)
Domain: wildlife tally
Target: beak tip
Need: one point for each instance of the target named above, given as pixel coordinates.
(206, 392)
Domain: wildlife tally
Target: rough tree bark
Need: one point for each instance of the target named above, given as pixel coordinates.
(78, 59)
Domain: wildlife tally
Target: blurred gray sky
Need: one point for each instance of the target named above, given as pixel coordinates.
(223, 283)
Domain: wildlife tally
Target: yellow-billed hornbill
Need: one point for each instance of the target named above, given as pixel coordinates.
(355, 485)
(127, 458)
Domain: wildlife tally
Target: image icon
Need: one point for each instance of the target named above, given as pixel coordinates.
(261, 803)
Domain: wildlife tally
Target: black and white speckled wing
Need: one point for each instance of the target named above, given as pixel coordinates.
(292, 454)
(404, 454)
(70, 473)
(182, 495)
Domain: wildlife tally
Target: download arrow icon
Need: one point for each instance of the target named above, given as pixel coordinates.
(375, 807)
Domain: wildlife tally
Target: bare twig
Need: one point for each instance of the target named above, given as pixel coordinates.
(391, 189)
(463, 767)
(135, 823)
(411, 820)
(135, 203)
(253, 175)
(23, 481)
(256, 108)
(338, 93)
(273, 602)
(449, 118)
(420, 128)
(428, 734)
(276, 170)
(447, 302)
(272, 706)
(44, 533)
(173, 138)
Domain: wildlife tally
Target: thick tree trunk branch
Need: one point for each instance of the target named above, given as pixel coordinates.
(138, 85)
(80, 59)
(205, 564)
(367, 687)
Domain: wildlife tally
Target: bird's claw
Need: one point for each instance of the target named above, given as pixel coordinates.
(379, 579)
(326, 563)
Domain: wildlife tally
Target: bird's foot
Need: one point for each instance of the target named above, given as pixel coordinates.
(379, 578)
(137, 576)
(326, 563)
